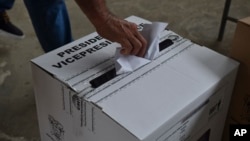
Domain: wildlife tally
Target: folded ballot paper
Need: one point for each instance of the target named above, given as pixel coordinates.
(129, 63)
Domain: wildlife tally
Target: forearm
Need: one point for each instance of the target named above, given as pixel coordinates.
(95, 10)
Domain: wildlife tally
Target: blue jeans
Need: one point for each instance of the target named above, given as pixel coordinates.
(6, 5)
(51, 22)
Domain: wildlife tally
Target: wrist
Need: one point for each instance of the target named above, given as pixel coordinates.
(99, 19)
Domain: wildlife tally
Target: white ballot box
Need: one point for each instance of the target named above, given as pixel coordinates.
(181, 95)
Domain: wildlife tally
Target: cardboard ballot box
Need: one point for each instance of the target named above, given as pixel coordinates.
(239, 110)
(183, 94)
(241, 52)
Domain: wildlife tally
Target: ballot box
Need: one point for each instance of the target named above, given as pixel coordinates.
(181, 95)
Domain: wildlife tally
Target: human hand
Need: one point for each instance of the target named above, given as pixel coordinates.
(125, 33)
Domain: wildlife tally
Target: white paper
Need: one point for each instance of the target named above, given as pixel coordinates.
(129, 63)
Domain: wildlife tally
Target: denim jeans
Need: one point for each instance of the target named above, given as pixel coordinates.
(50, 21)
(6, 5)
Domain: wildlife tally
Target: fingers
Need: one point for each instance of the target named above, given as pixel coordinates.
(136, 46)
(134, 43)
(126, 47)
(143, 44)
(125, 33)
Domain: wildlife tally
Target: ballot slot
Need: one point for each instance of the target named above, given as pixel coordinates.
(165, 44)
(109, 75)
(96, 82)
